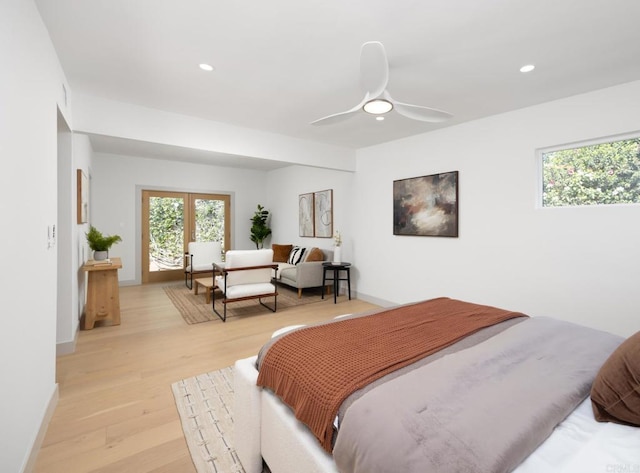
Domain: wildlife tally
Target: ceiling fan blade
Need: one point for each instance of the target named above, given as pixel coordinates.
(418, 112)
(374, 75)
(338, 117)
(374, 68)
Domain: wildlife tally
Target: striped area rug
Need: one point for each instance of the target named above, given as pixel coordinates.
(205, 404)
(194, 309)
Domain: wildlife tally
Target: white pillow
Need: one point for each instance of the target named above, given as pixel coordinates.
(297, 252)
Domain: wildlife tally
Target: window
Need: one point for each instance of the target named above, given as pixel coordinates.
(596, 174)
(170, 220)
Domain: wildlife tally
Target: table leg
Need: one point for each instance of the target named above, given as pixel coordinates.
(324, 273)
(336, 284)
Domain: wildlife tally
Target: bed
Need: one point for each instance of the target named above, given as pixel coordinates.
(503, 401)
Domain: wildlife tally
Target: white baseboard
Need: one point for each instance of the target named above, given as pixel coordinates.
(129, 282)
(66, 348)
(35, 449)
(376, 300)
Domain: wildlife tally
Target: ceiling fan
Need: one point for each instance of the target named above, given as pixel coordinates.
(374, 76)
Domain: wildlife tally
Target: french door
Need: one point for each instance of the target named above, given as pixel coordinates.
(170, 220)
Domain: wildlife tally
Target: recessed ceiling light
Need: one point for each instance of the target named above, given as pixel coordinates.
(527, 68)
(206, 67)
(377, 106)
(379, 118)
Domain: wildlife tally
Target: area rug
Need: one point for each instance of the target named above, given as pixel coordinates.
(205, 404)
(194, 309)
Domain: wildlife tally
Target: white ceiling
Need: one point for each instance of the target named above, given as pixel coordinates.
(281, 64)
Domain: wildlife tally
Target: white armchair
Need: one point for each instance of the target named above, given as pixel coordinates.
(199, 259)
(246, 275)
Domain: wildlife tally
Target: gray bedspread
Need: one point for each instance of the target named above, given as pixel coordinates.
(483, 409)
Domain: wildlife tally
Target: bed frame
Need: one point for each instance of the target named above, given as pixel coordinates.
(265, 428)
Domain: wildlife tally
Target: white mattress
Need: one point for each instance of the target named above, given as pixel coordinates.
(579, 444)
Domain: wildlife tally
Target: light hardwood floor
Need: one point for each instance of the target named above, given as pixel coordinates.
(116, 412)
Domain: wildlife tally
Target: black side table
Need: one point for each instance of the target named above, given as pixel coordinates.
(336, 268)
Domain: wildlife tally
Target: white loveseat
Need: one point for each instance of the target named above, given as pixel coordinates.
(298, 271)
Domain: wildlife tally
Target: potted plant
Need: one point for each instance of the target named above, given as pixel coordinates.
(259, 228)
(100, 244)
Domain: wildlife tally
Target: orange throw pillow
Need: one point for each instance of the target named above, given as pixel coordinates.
(281, 253)
(315, 254)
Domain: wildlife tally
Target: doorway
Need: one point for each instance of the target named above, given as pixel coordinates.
(170, 220)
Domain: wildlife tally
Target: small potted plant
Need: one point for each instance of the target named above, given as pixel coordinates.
(100, 244)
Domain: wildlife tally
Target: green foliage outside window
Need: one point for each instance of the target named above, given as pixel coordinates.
(607, 173)
(210, 220)
(166, 232)
(166, 228)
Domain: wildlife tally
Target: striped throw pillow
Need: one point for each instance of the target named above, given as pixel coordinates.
(297, 252)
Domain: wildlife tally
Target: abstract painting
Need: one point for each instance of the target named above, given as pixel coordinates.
(426, 206)
(305, 215)
(323, 213)
(82, 184)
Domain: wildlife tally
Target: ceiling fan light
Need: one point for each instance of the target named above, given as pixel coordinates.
(377, 106)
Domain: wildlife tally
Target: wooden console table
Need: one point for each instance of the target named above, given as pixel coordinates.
(103, 297)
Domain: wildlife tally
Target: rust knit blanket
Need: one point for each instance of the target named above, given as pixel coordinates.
(314, 369)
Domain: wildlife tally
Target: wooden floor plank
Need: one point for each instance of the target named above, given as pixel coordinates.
(116, 412)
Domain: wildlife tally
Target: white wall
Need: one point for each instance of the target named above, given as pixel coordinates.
(286, 184)
(66, 223)
(579, 264)
(107, 117)
(116, 183)
(80, 252)
(74, 152)
(30, 91)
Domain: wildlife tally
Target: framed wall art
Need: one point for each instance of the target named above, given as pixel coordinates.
(305, 215)
(426, 206)
(323, 213)
(83, 196)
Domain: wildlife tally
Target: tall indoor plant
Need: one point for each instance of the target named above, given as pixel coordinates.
(100, 244)
(259, 228)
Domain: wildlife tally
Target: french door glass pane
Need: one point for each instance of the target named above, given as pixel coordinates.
(209, 220)
(166, 233)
